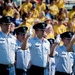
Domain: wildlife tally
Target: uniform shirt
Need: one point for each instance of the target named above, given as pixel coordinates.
(74, 52)
(39, 51)
(7, 48)
(64, 60)
(52, 66)
(22, 57)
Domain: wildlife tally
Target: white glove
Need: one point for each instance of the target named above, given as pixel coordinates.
(30, 32)
(58, 39)
(74, 36)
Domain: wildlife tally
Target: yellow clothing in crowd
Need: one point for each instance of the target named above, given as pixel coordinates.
(62, 16)
(8, 12)
(40, 7)
(60, 4)
(59, 29)
(27, 25)
(51, 35)
(71, 14)
(42, 19)
(30, 21)
(35, 13)
(73, 27)
(54, 9)
(26, 7)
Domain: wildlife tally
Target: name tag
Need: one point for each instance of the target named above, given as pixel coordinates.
(2, 41)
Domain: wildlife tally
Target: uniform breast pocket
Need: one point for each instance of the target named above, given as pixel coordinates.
(63, 55)
(13, 45)
(37, 47)
(71, 60)
(2, 42)
(46, 51)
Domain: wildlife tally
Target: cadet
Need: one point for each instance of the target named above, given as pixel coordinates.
(7, 48)
(50, 70)
(64, 59)
(39, 49)
(51, 59)
(71, 48)
(22, 56)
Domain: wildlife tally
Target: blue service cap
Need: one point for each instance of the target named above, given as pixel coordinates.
(68, 34)
(40, 26)
(22, 30)
(6, 20)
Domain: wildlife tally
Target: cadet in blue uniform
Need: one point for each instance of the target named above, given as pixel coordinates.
(22, 56)
(64, 60)
(71, 48)
(39, 50)
(7, 48)
(51, 59)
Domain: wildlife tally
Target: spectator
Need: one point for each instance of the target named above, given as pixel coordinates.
(59, 28)
(53, 8)
(34, 12)
(40, 6)
(24, 23)
(16, 19)
(9, 11)
(25, 7)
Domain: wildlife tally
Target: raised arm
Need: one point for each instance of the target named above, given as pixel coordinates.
(25, 42)
(53, 49)
(57, 42)
(69, 47)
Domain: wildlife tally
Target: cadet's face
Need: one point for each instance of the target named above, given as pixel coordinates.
(12, 27)
(21, 37)
(66, 41)
(6, 27)
(41, 33)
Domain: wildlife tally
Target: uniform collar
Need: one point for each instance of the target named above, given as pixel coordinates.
(44, 40)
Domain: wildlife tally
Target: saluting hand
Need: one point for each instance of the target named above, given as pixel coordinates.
(58, 39)
(30, 32)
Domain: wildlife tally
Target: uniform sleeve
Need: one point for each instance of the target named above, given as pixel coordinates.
(56, 52)
(74, 59)
(49, 49)
(73, 48)
(29, 44)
